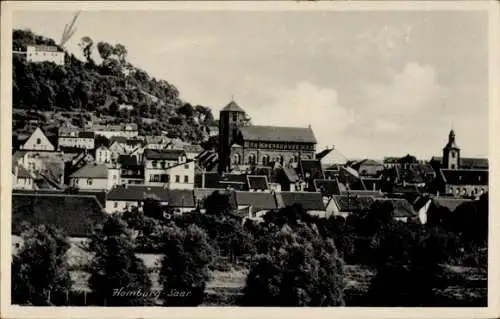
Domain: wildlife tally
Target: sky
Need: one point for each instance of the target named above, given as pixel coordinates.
(373, 84)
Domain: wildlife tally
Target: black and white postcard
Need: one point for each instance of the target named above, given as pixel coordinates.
(240, 159)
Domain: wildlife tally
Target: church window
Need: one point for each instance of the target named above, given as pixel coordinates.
(251, 159)
(235, 117)
(453, 154)
(452, 166)
(265, 160)
(236, 159)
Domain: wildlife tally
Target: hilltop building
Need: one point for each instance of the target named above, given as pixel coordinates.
(44, 53)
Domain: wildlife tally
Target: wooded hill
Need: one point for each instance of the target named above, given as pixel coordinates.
(112, 90)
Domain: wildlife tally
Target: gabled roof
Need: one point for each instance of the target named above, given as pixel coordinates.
(311, 168)
(356, 203)
(174, 197)
(169, 155)
(465, 176)
(258, 200)
(257, 182)
(308, 200)
(402, 208)
(477, 163)
(92, 170)
(74, 214)
(327, 187)
(449, 202)
(278, 134)
(232, 107)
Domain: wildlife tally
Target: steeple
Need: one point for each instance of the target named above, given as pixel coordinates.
(451, 140)
(451, 152)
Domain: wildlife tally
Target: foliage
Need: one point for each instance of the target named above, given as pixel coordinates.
(86, 87)
(300, 269)
(41, 266)
(184, 267)
(115, 266)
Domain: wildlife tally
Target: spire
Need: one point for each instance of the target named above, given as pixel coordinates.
(233, 107)
(451, 140)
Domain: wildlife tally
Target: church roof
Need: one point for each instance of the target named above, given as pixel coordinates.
(278, 134)
(232, 107)
(465, 176)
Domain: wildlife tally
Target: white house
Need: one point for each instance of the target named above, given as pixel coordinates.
(95, 176)
(103, 155)
(38, 141)
(126, 197)
(76, 139)
(126, 130)
(21, 178)
(168, 167)
(44, 53)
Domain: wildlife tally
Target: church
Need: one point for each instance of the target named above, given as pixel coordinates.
(243, 146)
(460, 176)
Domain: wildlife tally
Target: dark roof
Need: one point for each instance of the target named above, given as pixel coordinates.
(193, 148)
(169, 155)
(217, 181)
(174, 197)
(402, 208)
(465, 176)
(361, 192)
(232, 107)
(311, 169)
(257, 182)
(74, 214)
(92, 170)
(331, 173)
(354, 203)
(371, 183)
(449, 202)
(128, 160)
(290, 174)
(308, 200)
(258, 200)
(86, 134)
(467, 162)
(327, 187)
(407, 189)
(71, 149)
(278, 134)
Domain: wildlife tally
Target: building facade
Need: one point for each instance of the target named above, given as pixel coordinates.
(38, 141)
(169, 168)
(44, 53)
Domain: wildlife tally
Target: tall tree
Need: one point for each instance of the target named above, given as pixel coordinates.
(87, 46)
(301, 269)
(40, 267)
(115, 271)
(121, 52)
(105, 50)
(184, 267)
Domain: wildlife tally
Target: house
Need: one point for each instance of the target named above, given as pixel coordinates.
(103, 155)
(156, 142)
(38, 141)
(368, 167)
(257, 183)
(124, 197)
(47, 168)
(463, 182)
(311, 202)
(95, 176)
(373, 183)
(126, 130)
(131, 170)
(328, 187)
(168, 167)
(76, 215)
(403, 210)
(76, 138)
(390, 162)
(44, 53)
(347, 204)
(254, 205)
(21, 178)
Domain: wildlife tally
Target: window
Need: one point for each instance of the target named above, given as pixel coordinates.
(251, 159)
(235, 117)
(154, 163)
(157, 178)
(452, 166)
(186, 166)
(89, 181)
(114, 177)
(38, 141)
(163, 164)
(116, 204)
(453, 154)
(186, 179)
(164, 178)
(475, 190)
(177, 179)
(265, 160)
(237, 159)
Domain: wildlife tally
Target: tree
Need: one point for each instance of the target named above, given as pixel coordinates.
(121, 52)
(41, 266)
(184, 267)
(105, 50)
(301, 269)
(407, 265)
(87, 45)
(114, 268)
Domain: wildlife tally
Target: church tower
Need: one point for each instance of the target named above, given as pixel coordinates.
(230, 119)
(451, 153)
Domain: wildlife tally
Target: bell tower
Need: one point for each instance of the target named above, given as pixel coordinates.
(451, 153)
(230, 120)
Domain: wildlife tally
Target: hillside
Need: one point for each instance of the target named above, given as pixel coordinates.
(111, 90)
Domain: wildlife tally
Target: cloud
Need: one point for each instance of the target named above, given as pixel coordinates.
(303, 105)
(408, 92)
